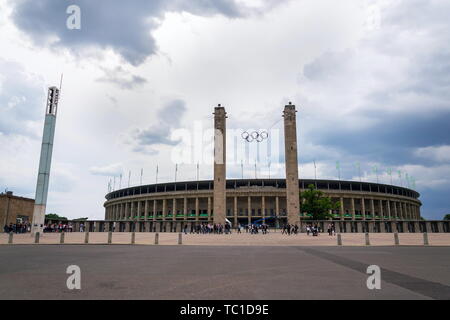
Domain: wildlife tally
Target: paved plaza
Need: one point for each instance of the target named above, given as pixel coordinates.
(223, 272)
(243, 239)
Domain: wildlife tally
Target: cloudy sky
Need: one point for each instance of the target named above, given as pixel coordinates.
(371, 81)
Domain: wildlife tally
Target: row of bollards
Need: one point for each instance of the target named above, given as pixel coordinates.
(396, 239)
(180, 238)
(86, 238)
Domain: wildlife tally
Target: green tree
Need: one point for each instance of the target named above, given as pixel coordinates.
(447, 217)
(315, 202)
(80, 219)
(54, 216)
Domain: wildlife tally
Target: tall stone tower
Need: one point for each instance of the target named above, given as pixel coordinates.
(291, 164)
(219, 207)
(45, 161)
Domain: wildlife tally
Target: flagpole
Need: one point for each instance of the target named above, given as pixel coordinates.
(315, 170)
(156, 174)
(338, 167)
(242, 169)
(198, 175)
(120, 182)
(176, 169)
(142, 172)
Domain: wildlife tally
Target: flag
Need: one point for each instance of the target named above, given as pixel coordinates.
(338, 165)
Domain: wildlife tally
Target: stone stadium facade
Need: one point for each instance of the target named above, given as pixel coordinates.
(170, 206)
(364, 207)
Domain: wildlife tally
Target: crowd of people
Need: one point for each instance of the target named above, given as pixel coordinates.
(207, 228)
(254, 228)
(58, 227)
(17, 227)
(204, 228)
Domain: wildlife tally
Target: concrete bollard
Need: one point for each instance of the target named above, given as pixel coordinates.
(367, 239)
(156, 238)
(133, 237)
(86, 237)
(10, 239)
(180, 238)
(61, 238)
(36, 237)
(396, 239)
(425, 239)
(339, 239)
(109, 237)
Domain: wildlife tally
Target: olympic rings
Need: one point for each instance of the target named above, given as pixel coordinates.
(255, 136)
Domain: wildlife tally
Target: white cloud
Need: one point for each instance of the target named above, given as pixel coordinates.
(111, 170)
(435, 153)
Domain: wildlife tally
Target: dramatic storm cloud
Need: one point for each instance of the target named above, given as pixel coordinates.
(123, 26)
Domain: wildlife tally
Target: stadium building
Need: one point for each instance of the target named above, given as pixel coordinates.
(364, 206)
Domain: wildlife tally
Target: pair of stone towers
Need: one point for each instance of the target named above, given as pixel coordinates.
(291, 164)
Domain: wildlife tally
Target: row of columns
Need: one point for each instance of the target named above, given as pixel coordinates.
(392, 210)
(129, 210)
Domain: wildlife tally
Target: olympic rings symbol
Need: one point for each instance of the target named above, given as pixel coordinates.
(255, 136)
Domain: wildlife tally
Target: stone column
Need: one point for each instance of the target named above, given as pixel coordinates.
(381, 209)
(235, 208)
(352, 208)
(291, 164)
(174, 209)
(185, 207)
(164, 208)
(277, 206)
(146, 210)
(363, 208)
(372, 209)
(196, 209)
(388, 207)
(341, 209)
(138, 213)
(249, 205)
(263, 208)
(395, 210)
(219, 165)
(154, 209)
(401, 210)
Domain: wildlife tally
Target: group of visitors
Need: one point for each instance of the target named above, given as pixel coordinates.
(254, 228)
(17, 227)
(289, 229)
(331, 229)
(209, 228)
(58, 227)
(314, 230)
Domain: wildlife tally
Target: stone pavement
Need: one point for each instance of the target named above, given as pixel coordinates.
(243, 239)
(223, 272)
